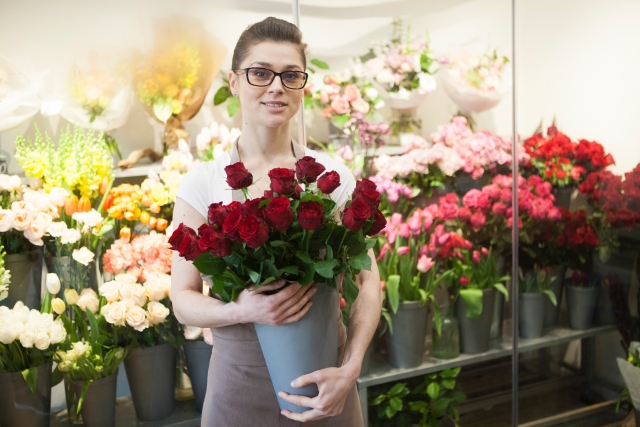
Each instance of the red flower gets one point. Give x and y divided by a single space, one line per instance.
282 181
278 213
213 241
367 192
464 281
308 170
252 207
216 214
268 194
185 240
329 182
310 215
231 224
356 215
253 231
379 223
477 220
238 176
464 214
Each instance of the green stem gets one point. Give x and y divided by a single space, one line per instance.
309 234
346 231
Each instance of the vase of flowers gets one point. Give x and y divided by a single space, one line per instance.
99 401
257 231
535 289
582 295
551 310
197 352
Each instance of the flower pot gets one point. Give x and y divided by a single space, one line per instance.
474 333
581 303
99 403
406 344
563 197
619 266
26 278
19 406
151 372
64 274
447 345
198 355
552 312
302 347
498 306
531 314
631 377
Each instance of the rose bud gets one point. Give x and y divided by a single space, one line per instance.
278 213
308 170
296 194
282 181
367 192
356 215
213 241
216 214
238 177
343 304
252 207
232 223
379 223
329 182
185 240
253 231
310 215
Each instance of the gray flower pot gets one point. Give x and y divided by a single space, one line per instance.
19 406
563 197
581 303
302 347
498 306
151 372
621 266
99 403
531 314
26 278
198 355
552 312
474 333
406 344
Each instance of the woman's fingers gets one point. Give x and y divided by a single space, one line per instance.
297 316
270 287
299 300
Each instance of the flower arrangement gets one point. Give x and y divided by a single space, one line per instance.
214 140
579 236
145 254
131 204
5 276
282 233
538 281
395 196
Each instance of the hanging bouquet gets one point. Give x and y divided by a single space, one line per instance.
402 67
214 140
288 233
144 254
5 276
561 161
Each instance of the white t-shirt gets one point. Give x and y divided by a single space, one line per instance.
207 184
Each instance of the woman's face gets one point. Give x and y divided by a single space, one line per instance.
273 105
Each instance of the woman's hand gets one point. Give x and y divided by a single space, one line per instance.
334 384
287 306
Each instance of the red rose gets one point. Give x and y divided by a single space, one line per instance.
216 215
238 176
379 223
253 231
356 215
329 182
185 240
282 181
278 213
213 241
231 224
464 214
310 215
296 194
268 194
367 192
308 170
252 207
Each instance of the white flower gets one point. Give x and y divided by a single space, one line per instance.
34 234
28 337
91 218
42 341
70 236
42 220
35 183
192 332
58 196
155 290
58 305
137 318
88 300
58 332
83 255
115 313
8 332
427 83
65 366
371 93
80 348
6 220
157 312
71 295
21 219
57 229
124 279
135 292
13 183
111 290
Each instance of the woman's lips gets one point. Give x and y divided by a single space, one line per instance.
275 106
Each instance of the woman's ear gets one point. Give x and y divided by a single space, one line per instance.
233 83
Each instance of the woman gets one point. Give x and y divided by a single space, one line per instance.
239 391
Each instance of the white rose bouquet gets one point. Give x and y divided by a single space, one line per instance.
5 276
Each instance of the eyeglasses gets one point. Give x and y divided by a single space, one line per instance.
264 77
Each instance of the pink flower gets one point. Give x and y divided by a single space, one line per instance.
505 196
383 285
424 250
493 191
485 251
425 264
360 106
396 219
385 249
476 257
499 209
483 202
351 93
478 220
405 231
448 212
415 222
340 105
464 281
464 214
554 214
470 199
403 250
510 222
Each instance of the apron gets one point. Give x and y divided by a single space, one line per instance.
239 389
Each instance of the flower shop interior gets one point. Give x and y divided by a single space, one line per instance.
500 307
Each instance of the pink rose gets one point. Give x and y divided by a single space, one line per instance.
554 214
543 189
505 196
499 209
340 105
360 106
470 199
351 93
448 212
493 191
464 214
478 220
326 113
324 97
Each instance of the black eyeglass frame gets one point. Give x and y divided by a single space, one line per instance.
246 73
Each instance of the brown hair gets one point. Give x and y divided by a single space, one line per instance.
270 29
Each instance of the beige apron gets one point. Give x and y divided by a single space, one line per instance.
239 389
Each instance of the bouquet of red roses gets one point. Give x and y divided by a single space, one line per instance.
292 232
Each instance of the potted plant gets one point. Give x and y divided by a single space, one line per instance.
582 294
535 287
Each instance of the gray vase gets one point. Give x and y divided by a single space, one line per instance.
498 306
552 312
621 266
99 403
581 303
26 278
302 347
19 406
406 344
474 333
563 197
197 355
531 314
151 372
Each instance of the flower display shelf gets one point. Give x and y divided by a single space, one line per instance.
382 372
138 171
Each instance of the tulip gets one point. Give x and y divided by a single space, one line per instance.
71 296
84 204
53 283
125 232
71 205
343 304
153 221
162 224
145 217
425 264
104 185
403 250
476 257
464 281
58 305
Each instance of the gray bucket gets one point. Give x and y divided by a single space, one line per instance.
531 314
618 265
552 312
302 347
197 355
474 333
581 303
99 404
18 405
151 372
26 279
498 306
366 360
406 344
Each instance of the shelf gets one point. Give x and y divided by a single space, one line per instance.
381 372
138 171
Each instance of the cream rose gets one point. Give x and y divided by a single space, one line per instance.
70 236
92 218
115 313
80 348
157 312
134 292
6 220
83 255
42 341
53 283
21 219
34 234
71 295
155 290
58 196
88 300
124 279
111 291
137 318
13 183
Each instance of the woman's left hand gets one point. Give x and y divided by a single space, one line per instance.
334 384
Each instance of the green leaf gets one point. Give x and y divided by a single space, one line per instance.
433 390
320 64
270 268
253 275
396 404
222 95
393 285
56 377
311 198
277 243
370 243
340 120
450 373
350 289
378 400
551 295
500 287
309 272
361 261
95 331
162 109
439 407
30 375
304 257
472 299
291 269
209 265
233 107
325 268
397 389
449 384
389 412
329 255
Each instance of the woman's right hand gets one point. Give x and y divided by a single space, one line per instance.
286 306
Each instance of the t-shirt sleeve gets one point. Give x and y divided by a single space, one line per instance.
194 189
347 181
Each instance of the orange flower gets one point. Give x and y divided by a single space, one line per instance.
71 205
125 232
162 224
84 205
